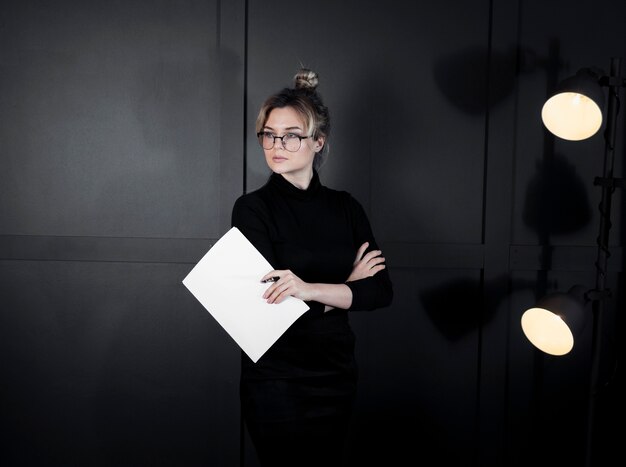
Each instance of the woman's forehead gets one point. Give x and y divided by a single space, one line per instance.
285 117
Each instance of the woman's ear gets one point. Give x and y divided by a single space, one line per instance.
319 143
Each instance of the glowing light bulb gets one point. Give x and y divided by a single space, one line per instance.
572 116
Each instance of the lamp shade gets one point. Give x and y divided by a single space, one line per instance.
555 321
574 112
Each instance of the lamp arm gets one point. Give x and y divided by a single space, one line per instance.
608 184
607 181
595 294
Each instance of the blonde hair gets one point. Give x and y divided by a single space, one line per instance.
306 101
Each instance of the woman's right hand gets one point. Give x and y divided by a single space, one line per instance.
366 265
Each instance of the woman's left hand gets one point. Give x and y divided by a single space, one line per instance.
287 285
366 264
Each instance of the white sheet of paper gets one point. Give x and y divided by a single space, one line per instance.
227 282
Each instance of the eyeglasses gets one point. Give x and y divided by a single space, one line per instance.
290 141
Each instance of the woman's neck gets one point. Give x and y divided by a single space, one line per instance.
300 180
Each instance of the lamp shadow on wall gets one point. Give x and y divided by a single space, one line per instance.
462 77
461 306
475 79
556 201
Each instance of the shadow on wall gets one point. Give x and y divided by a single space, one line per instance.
462 77
556 199
465 77
461 306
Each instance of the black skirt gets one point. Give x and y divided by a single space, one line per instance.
297 399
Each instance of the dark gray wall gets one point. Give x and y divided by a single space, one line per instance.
115 181
126 133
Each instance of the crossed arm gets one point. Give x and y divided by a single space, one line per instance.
331 295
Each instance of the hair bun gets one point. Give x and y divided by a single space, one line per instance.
306 79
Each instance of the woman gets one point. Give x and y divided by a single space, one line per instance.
297 399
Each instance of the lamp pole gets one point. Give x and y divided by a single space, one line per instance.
600 293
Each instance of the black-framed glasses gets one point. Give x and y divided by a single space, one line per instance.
290 141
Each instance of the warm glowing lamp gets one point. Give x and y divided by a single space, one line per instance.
554 323
574 112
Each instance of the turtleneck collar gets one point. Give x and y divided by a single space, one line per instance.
286 188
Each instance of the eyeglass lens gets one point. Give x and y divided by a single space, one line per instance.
291 142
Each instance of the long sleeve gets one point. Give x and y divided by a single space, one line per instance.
249 215
373 292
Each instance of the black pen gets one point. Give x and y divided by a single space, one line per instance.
271 279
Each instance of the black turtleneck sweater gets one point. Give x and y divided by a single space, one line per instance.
315 233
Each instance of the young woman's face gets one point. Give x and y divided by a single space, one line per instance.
293 165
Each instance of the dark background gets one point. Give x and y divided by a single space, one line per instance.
126 134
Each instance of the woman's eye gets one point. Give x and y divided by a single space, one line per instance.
289 136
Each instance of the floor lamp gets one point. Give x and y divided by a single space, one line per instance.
575 112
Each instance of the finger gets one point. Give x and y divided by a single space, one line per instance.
377 268
360 251
371 255
375 261
271 276
269 291
370 259
279 298
274 295
275 284
371 272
